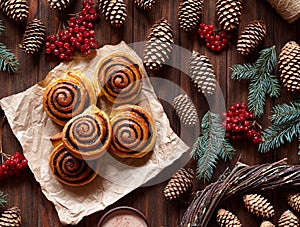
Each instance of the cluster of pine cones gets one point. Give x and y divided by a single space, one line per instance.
262 208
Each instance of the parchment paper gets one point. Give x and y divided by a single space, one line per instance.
33 128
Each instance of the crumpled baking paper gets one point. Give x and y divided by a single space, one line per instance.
33 128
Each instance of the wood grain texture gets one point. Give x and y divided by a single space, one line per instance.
25 192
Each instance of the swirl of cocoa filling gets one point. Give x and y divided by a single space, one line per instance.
120 79
133 132
69 169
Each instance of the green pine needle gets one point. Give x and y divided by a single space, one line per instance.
8 61
210 146
262 82
2 199
285 126
245 71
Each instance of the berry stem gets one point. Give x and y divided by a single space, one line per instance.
256 124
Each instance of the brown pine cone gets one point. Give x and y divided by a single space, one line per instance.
159 45
33 37
227 219
185 110
251 37
289 66
146 5
58 4
179 183
229 13
11 218
16 10
294 201
202 73
189 14
267 224
258 205
115 11
288 219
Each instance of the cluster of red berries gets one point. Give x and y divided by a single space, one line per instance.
215 41
13 165
239 124
79 34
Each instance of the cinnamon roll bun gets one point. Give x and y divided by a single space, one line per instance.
119 78
68 96
88 135
134 132
70 170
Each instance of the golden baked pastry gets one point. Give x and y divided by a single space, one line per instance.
70 170
119 78
68 96
88 135
134 132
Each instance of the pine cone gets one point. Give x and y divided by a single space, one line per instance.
11 217
229 13
103 5
58 4
15 9
145 4
202 73
186 110
258 205
267 224
251 37
179 183
33 37
227 219
189 14
289 66
159 45
288 219
115 12
294 201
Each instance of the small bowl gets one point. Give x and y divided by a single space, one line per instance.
123 214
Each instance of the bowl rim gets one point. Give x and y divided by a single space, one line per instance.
132 209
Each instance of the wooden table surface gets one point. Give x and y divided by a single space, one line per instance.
25 192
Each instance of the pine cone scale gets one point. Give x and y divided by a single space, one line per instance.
289 66
11 217
159 45
16 10
33 37
251 37
202 74
179 183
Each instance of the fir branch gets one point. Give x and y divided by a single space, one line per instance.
262 82
245 71
210 146
257 97
285 126
2 199
8 61
273 86
276 135
285 113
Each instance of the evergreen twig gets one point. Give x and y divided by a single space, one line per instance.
2 199
8 61
210 146
262 82
284 128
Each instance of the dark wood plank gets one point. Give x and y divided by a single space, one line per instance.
26 193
